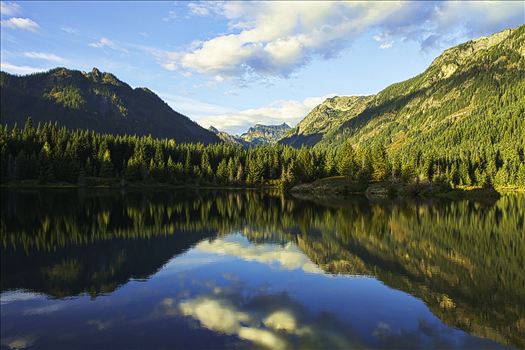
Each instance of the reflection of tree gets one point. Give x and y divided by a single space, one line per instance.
465 260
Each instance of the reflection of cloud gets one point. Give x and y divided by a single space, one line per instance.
217 315
9 297
288 257
101 325
44 310
271 321
262 337
19 342
429 334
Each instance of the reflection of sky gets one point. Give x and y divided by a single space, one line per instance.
288 257
230 292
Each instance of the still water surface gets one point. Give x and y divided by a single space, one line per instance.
247 270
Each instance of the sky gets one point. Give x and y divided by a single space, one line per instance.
234 64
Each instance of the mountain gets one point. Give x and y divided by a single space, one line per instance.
95 101
228 138
326 117
260 134
470 99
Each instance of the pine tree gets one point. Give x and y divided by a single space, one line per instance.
106 167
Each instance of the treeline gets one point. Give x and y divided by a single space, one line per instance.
50 153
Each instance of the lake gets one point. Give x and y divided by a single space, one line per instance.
103 269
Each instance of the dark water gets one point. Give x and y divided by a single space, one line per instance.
109 270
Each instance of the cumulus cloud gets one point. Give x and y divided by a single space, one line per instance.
20 23
9 8
288 257
44 56
277 38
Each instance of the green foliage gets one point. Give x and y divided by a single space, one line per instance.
470 252
94 101
51 153
67 96
461 121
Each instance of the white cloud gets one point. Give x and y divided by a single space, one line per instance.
194 108
277 112
20 23
107 43
384 40
69 30
277 38
198 9
44 56
103 42
9 8
22 70
171 16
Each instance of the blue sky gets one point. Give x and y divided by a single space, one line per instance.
233 64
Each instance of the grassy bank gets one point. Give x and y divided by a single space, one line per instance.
340 186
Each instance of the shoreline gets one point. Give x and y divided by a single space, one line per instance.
323 188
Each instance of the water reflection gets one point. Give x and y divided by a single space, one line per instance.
245 269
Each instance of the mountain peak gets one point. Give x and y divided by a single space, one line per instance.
465 88
96 101
263 134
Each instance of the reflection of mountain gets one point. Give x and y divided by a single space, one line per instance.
97 268
463 259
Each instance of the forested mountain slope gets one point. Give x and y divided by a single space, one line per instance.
325 118
467 107
95 101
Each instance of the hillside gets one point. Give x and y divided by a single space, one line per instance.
468 102
325 118
95 101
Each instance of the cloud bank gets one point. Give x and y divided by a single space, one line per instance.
277 38
238 121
